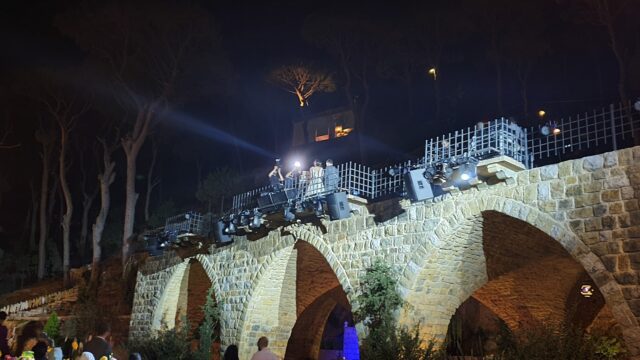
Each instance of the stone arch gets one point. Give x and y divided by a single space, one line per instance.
461 222
320 244
173 302
271 309
321 305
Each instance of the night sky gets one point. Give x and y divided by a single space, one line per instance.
575 72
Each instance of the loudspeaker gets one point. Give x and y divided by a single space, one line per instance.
218 233
338 206
278 198
264 200
417 186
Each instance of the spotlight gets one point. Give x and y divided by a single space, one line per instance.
297 164
231 228
586 290
465 177
288 215
550 128
256 222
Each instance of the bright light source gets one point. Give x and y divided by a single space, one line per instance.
541 113
586 290
297 164
433 72
556 131
465 177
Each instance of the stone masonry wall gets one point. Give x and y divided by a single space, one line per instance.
589 206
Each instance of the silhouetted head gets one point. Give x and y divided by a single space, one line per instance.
263 342
102 329
231 353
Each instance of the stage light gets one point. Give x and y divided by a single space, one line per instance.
256 222
231 228
545 130
542 113
288 215
297 164
556 131
465 177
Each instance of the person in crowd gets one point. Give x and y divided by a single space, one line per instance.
4 335
98 346
28 338
263 350
292 177
231 353
316 185
331 177
135 356
275 177
87 356
40 350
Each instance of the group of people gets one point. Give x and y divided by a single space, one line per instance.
31 342
315 182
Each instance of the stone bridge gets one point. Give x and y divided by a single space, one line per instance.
520 248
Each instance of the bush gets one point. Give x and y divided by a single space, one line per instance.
563 342
168 344
52 328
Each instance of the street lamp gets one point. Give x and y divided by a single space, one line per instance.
541 114
433 73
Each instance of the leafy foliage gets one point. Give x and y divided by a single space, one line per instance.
52 327
379 297
208 329
168 344
161 213
564 342
378 301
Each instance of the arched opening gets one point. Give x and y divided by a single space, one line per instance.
183 300
532 282
322 308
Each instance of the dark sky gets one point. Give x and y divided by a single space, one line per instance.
576 74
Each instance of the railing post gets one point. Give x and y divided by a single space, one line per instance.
612 114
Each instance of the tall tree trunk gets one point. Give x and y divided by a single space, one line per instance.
68 200
106 179
44 196
151 182
131 145
87 202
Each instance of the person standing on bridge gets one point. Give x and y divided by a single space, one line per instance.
263 351
331 177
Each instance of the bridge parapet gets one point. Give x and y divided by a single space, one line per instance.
443 248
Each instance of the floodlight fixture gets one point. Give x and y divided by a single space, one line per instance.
256 221
288 215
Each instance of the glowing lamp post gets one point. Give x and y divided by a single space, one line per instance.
433 73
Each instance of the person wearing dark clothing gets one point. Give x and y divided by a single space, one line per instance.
275 178
231 353
98 345
4 334
40 350
331 177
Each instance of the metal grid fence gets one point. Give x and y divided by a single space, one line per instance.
187 223
485 140
597 131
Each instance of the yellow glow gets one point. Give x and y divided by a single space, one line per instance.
432 72
541 113
338 128
322 137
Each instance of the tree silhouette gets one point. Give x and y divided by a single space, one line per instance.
147 56
302 81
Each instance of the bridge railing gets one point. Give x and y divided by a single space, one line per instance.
601 130
485 140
